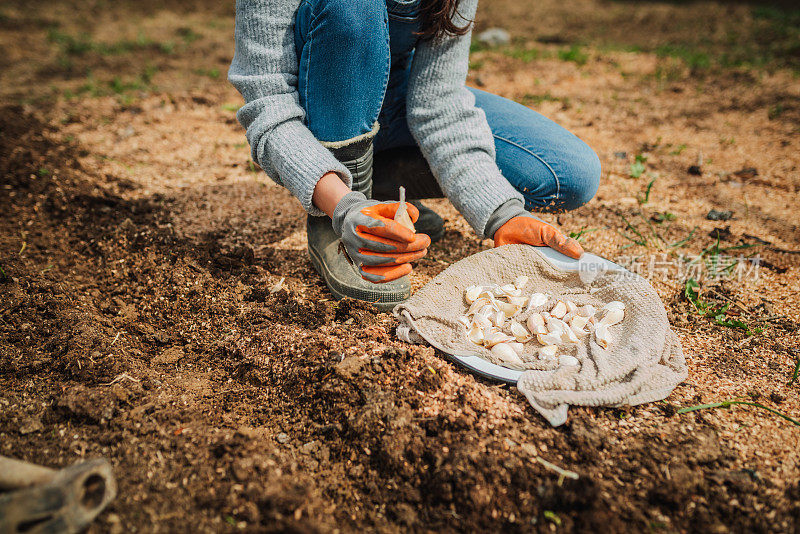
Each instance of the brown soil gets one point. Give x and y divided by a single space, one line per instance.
138 247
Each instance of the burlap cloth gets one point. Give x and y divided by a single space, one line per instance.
644 363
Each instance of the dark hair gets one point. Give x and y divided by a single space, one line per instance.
437 19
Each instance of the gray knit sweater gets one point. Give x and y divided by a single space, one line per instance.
451 132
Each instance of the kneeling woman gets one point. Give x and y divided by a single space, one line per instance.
346 100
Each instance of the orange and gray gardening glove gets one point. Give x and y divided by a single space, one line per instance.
381 248
511 224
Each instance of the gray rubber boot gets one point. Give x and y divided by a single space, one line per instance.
330 259
429 222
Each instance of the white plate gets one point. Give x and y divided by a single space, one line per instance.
589 265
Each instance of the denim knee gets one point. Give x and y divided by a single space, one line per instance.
579 184
354 23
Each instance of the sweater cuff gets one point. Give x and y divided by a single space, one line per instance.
477 198
503 214
300 161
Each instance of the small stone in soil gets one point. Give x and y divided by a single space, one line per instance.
30 425
695 170
747 172
723 234
283 438
719 215
494 37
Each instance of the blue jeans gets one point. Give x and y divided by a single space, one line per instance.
354 57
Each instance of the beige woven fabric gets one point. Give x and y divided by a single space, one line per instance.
644 362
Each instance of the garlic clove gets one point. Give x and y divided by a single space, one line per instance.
603 335
565 360
578 322
549 339
521 282
554 325
578 326
517 346
559 310
519 332
495 338
508 308
486 311
538 299
518 301
571 306
507 290
401 216
498 318
548 352
472 293
536 324
464 320
586 311
612 317
614 305
476 305
569 335
506 354
476 335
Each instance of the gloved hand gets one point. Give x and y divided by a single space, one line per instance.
379 246
527 229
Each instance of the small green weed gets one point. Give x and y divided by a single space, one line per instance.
230 107
82 44
645 198
685 240
534 100
574 54
775 111
477 46
663 216
669 70
729 403
715 312
713 256
553 517
796 372
211 73
188 35
637 168
524 54
677 150
580 234
694 59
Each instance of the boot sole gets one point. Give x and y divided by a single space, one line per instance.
339 291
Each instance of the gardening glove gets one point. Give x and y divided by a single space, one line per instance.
381 248
517 226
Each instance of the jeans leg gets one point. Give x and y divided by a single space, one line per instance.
343 65
553 169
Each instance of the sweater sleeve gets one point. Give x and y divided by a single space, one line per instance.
264 70
452 133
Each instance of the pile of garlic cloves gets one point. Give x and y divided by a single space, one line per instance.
491 321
